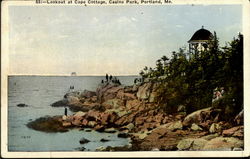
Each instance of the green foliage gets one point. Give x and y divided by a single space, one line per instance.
191 79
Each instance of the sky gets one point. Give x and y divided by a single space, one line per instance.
118 40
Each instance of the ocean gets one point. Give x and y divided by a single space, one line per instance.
39 92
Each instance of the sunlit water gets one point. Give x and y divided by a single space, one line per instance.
38 92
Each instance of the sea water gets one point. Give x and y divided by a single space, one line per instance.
39 92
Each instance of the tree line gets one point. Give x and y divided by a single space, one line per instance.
190 78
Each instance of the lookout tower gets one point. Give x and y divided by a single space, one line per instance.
199 41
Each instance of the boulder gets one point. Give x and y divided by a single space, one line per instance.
149 126
73 99
88 130
195 127
113 117
119 112
99 128
153 93
121 121
93 99
104 140
110 130
97 107
158 118
139 120
77 122
191 144
223 143
160 131
206 124
80 148
60 103
135 88
125 96
123 135
185 144
128 89
92 124
101 148
133 104
165 120
77 106
93 115
152 97
235 131
87 94
238 149
84 122
179 117
22 105
144 91
196 117
149 119
48 124
215 128
106 92
84 141
72 94
155 149
113 103
177 125
79 114
104 118
142 134
198 144
66 124
130 126
64 117
211 136
181 108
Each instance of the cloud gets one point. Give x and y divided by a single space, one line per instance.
179 26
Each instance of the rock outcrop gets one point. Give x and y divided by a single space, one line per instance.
132 112
22 105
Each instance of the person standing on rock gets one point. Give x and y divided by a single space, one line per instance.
135 80
107 77
65 111
118 81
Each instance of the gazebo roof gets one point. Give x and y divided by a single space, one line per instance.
201 35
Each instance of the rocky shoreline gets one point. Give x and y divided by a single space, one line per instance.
133 112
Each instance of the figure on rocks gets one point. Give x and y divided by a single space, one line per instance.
65 111
71 88
135 80
107 77
118 82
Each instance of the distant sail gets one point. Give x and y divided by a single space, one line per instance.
73 74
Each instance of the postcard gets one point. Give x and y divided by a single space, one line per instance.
125 78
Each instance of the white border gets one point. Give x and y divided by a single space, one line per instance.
4 95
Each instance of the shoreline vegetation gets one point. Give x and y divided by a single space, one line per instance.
187 102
